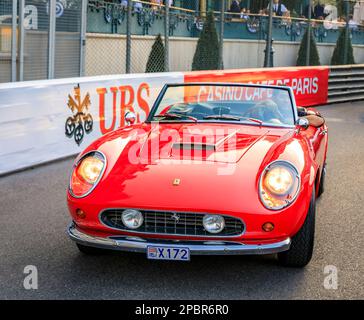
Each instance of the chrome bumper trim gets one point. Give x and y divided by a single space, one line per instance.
137 244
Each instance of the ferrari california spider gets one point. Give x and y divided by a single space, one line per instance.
216 169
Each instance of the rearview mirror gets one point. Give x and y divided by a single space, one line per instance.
302 123
130 118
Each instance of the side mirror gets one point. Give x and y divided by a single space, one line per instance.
130 118
302 124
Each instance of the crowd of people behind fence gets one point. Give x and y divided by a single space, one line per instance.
318 12
240 9
138 6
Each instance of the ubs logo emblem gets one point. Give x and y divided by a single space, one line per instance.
81 121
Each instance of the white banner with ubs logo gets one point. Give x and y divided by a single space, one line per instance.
46 120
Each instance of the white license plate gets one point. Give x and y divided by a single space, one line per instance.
168 253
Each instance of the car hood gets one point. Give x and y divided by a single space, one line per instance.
142 177
205 142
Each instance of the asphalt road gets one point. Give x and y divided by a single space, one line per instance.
33 219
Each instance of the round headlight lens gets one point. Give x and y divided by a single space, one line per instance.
132 219
213 223
86 174
279 185
90 169
279 180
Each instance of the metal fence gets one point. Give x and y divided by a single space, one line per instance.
6 41
131 37
41 39
45 39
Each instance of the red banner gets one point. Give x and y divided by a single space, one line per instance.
310 84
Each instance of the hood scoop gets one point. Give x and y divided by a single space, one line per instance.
208 149
194 146
204 146
224 146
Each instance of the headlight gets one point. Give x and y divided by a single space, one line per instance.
86 174
279 185
213 223
132 219
279 181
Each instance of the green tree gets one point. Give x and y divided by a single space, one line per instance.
207 51
339 52
302 53
156 57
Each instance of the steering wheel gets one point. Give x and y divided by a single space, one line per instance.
266 111
221 110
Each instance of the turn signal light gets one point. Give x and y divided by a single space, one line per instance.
80 214
268 227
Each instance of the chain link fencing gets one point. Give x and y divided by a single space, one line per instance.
106 38
40 39
35 41
67 39
156 37
6 10
70 38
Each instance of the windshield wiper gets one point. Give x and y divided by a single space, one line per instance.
255 120
222 117
175 116
233 118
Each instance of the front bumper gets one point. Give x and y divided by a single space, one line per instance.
137 244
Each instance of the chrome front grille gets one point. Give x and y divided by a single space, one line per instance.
173 223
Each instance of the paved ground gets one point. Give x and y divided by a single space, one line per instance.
33 218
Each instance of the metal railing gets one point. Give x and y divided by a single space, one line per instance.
188 23
45 39
146 21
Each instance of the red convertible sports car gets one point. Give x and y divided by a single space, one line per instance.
216 169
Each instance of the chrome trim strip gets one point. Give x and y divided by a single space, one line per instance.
98 179
135 244
216 235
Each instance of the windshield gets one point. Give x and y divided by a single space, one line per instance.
226 103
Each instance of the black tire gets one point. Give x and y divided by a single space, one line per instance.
321 188
300 252
90 250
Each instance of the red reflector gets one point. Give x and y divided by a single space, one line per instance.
268 227
80 214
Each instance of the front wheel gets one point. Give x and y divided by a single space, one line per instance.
300 252
321 188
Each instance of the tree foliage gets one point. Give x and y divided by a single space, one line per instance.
207 51
339 52
302 53
156 57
